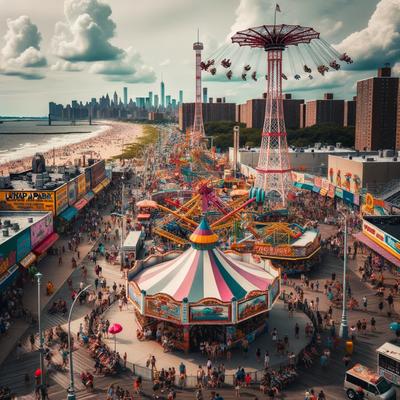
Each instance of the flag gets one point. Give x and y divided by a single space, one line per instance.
277 8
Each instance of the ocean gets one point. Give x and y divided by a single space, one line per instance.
19 139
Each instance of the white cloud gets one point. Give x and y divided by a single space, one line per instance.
86 33
129 69
379 41
396 69
165 62
21 52
66 66
329 27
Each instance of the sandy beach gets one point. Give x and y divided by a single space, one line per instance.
107 143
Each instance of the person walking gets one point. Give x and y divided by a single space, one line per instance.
266 360
365 303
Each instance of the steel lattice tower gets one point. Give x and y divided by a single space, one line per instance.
273 170
197 132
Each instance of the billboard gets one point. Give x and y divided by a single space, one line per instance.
61 199
72 192
8 255
98 173
253 306
217 313
87 179
41 230
26 200
81 182
23 244
273 291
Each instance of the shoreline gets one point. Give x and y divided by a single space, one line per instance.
106 143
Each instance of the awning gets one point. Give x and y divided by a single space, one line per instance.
80 204
316 189
69 213
377 249
143 216
88 196
28 260
105 182
46 244
98 188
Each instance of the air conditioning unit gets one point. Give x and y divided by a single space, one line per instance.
15 227
388 153
5 233
370 159
30 219
7 223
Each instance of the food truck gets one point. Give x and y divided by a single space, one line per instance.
131 247
389 362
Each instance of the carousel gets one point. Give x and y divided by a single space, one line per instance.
203 294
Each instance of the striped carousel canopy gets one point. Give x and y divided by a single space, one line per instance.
202 272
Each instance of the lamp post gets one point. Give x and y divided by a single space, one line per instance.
41 339
71 389
344 328
122 220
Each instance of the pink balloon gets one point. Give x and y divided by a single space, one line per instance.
115 328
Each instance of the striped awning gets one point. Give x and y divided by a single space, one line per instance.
197 274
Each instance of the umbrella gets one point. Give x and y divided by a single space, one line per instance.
147 204
114 329
38 372
394 326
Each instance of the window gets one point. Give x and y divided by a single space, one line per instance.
372 389
357 381
389 364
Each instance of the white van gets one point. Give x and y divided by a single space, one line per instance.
375 387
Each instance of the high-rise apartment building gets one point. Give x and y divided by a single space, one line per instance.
115 99
252 112
180 96
151 99
167 100
326 111
156 101
162 93
378 112
125 96
350 112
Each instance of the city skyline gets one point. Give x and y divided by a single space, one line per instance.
51 56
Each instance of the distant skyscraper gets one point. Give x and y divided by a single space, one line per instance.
173 103
180 96
167 101
151 99
162 94
156 101
378 112
205 95
125 96
115 99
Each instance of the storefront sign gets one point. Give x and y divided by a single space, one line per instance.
273 291
8 256
41 230
81 182
252 307
61 199
23 244
339 192
274 251
27 200
392 243
212 313
72 192
163 307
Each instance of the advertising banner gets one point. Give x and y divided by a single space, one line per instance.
8 255
348 196
163 307
273 291
339 192
277 251
98 173
27 200
393 243
87 179
253 306
72 192
135 295
217 313
61 199
81 181
41 230
23 244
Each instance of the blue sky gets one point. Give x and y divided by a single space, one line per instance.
59 50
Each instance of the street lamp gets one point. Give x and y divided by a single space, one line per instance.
122 220
71 389
41 339
344 328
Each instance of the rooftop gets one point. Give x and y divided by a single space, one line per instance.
374 158
317 149
24 219
389 224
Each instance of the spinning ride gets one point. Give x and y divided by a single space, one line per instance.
204 286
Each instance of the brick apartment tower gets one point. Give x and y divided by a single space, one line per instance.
378 112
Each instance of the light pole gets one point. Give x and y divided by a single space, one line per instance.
344 328
122 220
41 340
71 389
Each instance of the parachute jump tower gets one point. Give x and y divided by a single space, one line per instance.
273 170
197 133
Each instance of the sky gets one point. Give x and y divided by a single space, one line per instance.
60 50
